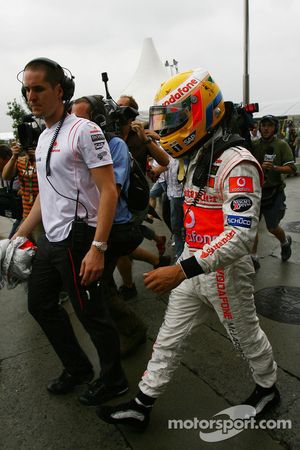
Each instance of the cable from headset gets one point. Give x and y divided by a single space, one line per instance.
57 130
70 198
48 170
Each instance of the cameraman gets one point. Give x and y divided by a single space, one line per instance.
23 165
125 235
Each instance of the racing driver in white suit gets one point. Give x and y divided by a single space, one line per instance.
222 191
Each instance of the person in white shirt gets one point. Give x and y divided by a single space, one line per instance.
76 203
254 132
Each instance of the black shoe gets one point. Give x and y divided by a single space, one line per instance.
286 249
132 414
66 382
128 292
99 393
164 260
262 398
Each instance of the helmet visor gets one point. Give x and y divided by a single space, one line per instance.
167 119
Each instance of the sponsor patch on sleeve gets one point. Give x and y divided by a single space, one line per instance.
101 155
240 184
99 145
97 137
239 221
241 204
98 140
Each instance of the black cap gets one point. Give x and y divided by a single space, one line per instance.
269 118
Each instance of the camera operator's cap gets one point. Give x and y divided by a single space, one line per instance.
269 118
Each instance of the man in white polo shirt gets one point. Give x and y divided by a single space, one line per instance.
76 204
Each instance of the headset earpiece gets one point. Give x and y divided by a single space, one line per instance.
98 113
23 90
66 82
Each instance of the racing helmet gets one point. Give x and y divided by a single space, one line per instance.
187 107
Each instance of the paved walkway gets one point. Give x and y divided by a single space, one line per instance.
211 378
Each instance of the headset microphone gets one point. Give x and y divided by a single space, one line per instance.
105 80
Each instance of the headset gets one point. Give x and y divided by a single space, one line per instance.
68 86
66 81
98 111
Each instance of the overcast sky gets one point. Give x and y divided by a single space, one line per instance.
93 36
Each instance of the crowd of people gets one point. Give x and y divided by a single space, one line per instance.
215 188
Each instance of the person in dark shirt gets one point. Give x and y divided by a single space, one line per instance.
276 159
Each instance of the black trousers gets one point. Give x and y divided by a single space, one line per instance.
56 267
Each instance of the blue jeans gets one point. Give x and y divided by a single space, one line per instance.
158 189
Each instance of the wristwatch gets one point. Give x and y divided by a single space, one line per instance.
100 246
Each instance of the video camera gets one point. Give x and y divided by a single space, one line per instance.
239 119
29 131
116 115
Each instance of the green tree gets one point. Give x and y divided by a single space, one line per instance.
16 112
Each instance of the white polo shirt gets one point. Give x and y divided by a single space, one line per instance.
80 146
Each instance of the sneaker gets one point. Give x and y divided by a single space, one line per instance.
286 249
261 398
66 382
255 262
163 261
132 414
99 392
128 292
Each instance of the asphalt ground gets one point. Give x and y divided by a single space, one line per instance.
212 377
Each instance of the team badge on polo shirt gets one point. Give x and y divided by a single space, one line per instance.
240 184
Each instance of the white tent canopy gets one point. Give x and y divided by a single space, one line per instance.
6 136
279 108
148 77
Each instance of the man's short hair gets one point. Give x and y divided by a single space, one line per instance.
131 101
53 74
96 108
82 100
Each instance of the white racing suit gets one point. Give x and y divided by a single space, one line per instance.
220 231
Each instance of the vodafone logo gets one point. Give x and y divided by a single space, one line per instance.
181 91
190 220
240 184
